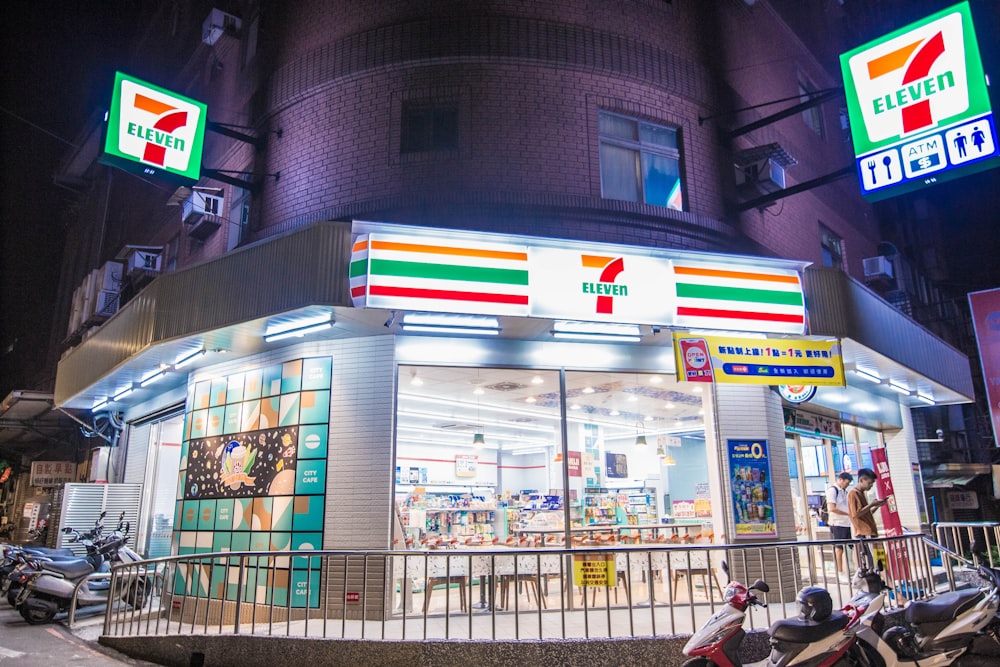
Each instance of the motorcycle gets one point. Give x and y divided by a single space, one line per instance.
820 637
51 590
19 561
960 628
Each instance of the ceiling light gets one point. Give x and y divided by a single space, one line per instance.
185 359
100 405
588 390
298 328
481 325
123 393
640 440
479 440
669 406
522 452
575 406
604 331
530 399
150 378
537 380
904 390
926 399
668 461
478 391
867 375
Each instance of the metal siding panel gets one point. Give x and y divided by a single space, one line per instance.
840 306
302 268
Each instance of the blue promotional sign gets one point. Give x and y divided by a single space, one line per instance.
750 480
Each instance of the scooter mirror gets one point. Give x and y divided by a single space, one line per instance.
760 585
67 530
725 567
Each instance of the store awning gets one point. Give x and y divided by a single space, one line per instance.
948 481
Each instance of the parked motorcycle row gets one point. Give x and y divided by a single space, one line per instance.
961 628
41 582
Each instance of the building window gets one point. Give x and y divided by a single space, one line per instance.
171 254
428 128
640 162
239 218
813 116
833 248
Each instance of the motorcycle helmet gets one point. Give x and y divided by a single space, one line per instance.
815 604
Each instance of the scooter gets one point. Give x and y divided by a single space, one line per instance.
51 591
816 642
20 561
960 628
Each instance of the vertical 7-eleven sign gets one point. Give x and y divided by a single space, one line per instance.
918 104
154 131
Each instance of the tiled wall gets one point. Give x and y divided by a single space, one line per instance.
253 476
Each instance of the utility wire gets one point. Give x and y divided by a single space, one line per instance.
37 127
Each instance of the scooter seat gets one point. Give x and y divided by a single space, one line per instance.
45 551
942 608
799 631
71 569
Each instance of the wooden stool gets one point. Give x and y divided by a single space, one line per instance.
530 582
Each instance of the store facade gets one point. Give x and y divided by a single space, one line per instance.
311 415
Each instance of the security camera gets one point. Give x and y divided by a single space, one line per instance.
392 318
940 433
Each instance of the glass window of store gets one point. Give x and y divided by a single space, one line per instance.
484 455
640 161
159 479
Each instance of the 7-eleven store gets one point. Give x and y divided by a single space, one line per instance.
380 386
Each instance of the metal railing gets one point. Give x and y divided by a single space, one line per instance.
490 594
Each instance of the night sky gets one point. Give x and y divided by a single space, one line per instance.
59 59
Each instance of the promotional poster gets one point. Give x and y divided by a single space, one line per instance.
750 471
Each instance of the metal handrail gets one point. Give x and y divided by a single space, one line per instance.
233 592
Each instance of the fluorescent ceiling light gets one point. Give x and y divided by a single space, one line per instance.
150 378
604 331
186 359
426 328
926 399
298 328
522 452
452 320
867 375
905 391
124 392
100 405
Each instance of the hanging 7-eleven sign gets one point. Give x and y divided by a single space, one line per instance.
153 131
918 103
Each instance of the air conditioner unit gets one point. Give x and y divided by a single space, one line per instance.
142 262
202 202
769 176
877 268
106 303
217 24
109 276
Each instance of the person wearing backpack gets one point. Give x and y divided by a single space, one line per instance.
839 518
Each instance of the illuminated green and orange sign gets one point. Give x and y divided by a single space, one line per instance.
153 131
918 104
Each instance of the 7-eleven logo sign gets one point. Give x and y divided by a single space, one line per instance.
155 127
911 82
605 287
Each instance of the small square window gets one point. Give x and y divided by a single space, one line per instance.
426 128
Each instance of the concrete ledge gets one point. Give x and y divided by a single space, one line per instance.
244 651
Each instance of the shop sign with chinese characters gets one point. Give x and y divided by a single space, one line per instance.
52 473
758 360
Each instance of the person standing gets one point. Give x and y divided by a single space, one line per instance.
862 511
840 516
